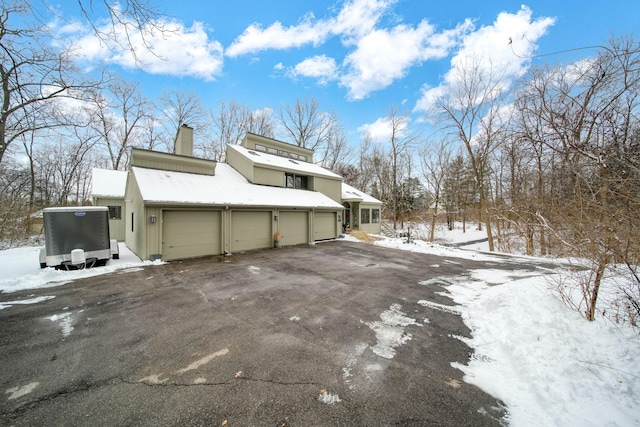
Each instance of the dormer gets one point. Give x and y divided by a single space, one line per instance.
265 161
263 144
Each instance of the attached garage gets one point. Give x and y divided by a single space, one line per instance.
251 230
179 206
294 227
190 234
324 224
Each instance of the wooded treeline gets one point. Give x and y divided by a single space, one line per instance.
548 165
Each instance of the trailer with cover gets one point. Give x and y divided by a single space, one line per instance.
77 237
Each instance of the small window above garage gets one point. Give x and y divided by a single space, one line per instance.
300 182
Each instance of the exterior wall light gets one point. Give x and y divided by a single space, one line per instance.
152 219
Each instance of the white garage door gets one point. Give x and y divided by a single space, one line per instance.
251 230
190 234
294 227
324 224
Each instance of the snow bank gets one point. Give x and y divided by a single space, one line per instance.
549 365
21 270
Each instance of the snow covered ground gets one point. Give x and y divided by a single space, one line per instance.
20 270
549 365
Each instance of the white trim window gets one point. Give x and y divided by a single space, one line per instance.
375 216
365 216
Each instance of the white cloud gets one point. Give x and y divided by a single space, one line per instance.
380 130
355 19
505 46
320 67
383 56
377 56
177 50
276 36
358 18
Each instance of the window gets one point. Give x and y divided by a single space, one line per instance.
115 212
272 150
261 148
296 181
289 178
375 216
301 157
364 216
301 182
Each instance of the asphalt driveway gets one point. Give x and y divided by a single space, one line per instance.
323 335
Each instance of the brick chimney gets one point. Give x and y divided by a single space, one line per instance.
184 141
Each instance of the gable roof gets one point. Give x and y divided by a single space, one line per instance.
282 163
226 188
351 194
108 183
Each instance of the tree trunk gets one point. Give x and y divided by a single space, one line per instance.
593 294
529 239
433 227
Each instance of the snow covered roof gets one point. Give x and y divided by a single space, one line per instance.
351 194
226 187
283 163
109 183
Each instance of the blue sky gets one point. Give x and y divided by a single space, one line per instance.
356 57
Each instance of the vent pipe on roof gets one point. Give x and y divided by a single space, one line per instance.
184 141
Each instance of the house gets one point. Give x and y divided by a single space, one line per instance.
267 192
361 211
108 190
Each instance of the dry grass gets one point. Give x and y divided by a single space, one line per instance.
361 235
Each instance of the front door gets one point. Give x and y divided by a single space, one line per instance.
346 224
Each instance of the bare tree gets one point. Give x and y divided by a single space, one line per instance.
64 168
32 77
133 18
181 108
361 174
381 167
261 122
120 120
306 125
151 137
435 159
585 117
15 183
232 122
337 152
401 138
320 131
470 111
459 191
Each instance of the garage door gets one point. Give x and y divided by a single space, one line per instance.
294 228
251 230
190 234
324 224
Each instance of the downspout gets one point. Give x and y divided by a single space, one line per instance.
311 231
